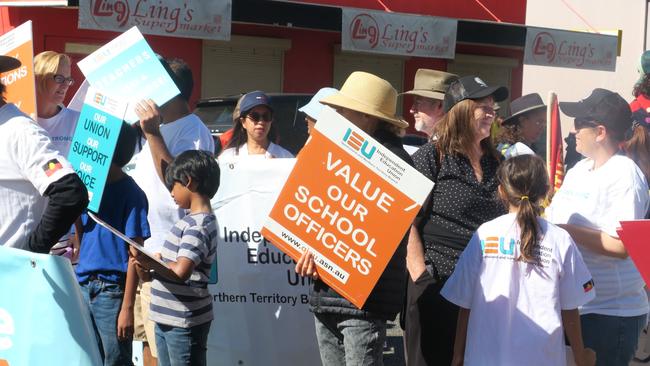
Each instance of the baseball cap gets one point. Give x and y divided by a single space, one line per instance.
8 63
472 87
604 107
253 99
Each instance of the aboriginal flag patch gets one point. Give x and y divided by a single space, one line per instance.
51 167
588 286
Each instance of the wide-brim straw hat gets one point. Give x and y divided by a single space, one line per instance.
369 94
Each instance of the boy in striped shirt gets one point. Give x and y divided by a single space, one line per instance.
181 305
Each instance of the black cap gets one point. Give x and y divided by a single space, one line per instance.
603 107
472 87
524 104
8 63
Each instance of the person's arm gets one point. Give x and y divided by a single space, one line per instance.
125 317
571 323
150 120
67 199
461 337
415 254
596 241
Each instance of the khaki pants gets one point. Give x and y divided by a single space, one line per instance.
143 327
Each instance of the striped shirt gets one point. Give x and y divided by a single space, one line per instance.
186 304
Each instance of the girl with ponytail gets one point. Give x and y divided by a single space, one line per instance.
520 281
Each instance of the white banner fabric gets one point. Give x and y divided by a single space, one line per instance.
578 50
206 19
261 313
398 34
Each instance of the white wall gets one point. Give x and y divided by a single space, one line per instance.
604 15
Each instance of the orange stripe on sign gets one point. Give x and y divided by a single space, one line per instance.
355 145
491 251
492 238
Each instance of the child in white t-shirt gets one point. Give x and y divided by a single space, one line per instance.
520 281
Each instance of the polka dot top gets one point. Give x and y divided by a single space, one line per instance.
457 206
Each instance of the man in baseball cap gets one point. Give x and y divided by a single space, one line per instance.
429 90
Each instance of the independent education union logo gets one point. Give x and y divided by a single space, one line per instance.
364 31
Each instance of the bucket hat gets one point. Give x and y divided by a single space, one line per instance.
369 94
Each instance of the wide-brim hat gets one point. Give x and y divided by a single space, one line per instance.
522 105
8 63
472 87
314 108
431 83
369 94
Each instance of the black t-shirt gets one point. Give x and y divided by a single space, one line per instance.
457 206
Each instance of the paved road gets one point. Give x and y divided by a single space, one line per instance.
394 349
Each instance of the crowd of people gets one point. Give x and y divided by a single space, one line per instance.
489 273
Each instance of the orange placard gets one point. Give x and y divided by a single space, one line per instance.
20 82
350 201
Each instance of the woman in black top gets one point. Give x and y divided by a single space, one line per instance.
462 162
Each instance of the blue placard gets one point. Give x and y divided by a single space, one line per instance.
127 67
43 318
94 140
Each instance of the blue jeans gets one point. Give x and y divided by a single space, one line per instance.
104 300
343 340
614 338
182 346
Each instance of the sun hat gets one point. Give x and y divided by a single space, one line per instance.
369 94
314 107
472 87
431 83
603 107
8 63
524 104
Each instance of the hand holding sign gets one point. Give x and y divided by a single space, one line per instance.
149 115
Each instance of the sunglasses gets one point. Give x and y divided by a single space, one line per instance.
60 79
581 123
256 117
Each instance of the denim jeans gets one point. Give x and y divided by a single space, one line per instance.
614 338
104 300
182 346
343 340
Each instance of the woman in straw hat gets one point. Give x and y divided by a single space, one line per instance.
519 132
463 164
346 334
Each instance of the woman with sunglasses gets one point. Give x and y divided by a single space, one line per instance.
597 193
52 71
519 132
253 133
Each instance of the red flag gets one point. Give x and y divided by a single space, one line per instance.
554 145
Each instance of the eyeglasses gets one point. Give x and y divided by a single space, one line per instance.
418 103
256 117
60 79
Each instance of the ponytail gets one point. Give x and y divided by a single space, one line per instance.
527 221
524 183
637 148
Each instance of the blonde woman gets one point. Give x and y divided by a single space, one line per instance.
52 71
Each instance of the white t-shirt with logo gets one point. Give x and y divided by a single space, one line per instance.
61 128
187 133
29 163
599 199
273 151
515 316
